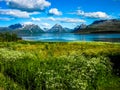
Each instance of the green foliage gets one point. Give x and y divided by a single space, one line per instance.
57 66
73 72
7 84
8 37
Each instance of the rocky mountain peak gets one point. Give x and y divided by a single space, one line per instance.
56 29
82 26
15 26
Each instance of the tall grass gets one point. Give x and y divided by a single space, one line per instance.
73 72
57 66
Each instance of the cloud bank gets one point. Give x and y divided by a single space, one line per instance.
94 15
6 18
35 19
100 15
28 5
65 20
14 13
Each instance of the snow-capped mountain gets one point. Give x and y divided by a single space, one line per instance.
56 29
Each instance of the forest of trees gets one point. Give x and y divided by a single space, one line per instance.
8 37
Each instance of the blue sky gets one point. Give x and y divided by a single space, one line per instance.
46 13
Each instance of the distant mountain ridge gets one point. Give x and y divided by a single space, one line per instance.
21 29
5 29
98 26
29 29
101 26
15 26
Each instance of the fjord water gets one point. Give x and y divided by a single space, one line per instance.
69 37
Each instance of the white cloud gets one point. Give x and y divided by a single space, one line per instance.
28 5
14 12
54 11
17 13
35 19
66 20
71 20
99 14
5 18
34 13
45 25
50 18
27 23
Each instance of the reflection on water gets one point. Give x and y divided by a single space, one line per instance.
67 37
108 39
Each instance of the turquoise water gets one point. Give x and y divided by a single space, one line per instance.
69 37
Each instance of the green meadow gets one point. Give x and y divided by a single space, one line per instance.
27 65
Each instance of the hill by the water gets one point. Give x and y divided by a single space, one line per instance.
101 26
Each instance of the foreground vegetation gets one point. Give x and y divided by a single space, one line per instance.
59 66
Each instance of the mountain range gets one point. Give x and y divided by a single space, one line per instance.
99 26
23 29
